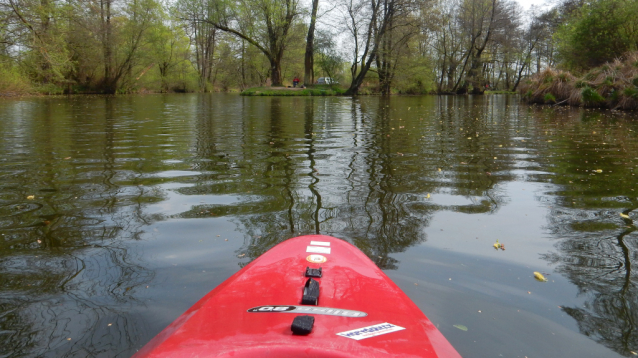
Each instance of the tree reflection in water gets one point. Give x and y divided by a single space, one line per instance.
67 276
596 244
347 168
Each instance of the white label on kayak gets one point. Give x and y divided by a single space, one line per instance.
318 249
319 243
370 331
327 311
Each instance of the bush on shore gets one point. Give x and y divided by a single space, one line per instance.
613 85
13 83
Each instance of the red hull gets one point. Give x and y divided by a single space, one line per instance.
368 309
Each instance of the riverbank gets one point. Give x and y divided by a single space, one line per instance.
613 85
315 90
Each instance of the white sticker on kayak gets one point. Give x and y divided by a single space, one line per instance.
370 331
318 250
319 243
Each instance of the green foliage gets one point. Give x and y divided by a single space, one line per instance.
49 89
598 32
631 92
549 98
12 82
591 97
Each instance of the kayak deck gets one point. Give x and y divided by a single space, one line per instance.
359 312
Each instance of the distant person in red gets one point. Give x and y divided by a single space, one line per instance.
295 81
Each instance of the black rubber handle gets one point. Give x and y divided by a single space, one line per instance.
313 272
310 293
302 325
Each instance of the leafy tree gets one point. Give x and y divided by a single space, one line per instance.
203 36
265 24
598 32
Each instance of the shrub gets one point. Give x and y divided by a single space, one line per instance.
631 92
13 82
591 97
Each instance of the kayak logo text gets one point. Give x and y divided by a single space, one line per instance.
370 331
308 310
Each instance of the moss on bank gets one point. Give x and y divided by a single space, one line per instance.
316 90
613 85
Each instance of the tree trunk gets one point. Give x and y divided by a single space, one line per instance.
309 74
109 85
275 72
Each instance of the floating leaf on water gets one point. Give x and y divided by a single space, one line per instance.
624 216
598 170
427 196
30 197
461 327
539 276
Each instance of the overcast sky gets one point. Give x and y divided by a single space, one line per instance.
527 3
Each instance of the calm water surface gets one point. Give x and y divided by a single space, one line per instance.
117 214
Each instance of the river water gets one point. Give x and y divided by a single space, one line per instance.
119 213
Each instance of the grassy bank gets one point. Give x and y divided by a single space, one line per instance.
316 90
499 92
613 85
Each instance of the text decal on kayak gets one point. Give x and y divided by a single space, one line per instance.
327 311
370 331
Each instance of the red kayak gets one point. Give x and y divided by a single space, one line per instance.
310 296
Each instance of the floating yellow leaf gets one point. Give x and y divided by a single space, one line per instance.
427 196
624 216
598 170
30 197
539 276
461 327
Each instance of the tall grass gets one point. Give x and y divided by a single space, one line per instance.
613 85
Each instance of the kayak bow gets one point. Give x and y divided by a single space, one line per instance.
310 296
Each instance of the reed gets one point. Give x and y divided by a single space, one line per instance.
613 85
